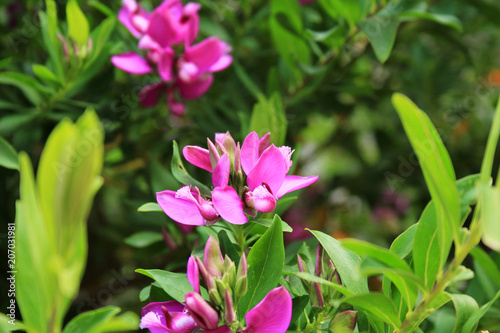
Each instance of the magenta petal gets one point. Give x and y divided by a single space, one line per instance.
198 156
131 62
159 29
178 209
222 63
165 64
272 314
205 54
294 183
149 94
250 152
229 205
125 18
270 169
220 177
222 329
195 89
171 306
193 274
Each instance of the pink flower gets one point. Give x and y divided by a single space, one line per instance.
187 206
171 23
267 181
134 18
190 72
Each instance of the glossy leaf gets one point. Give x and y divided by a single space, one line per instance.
346 262
78 26
8 156
268 222
265 264
175 284
377 305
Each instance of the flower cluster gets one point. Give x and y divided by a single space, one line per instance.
246 180
166 35
225 285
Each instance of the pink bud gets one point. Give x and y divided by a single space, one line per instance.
229 313
201 311
261 199
212 257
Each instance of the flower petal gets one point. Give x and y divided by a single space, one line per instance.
221 64
159 29
131 62
125 18
229 205
195 89
250 152
270 169
171 306
272 314
294 183
178 209
205 54
149 94
220 177
222 329
198 156
165 64
193 274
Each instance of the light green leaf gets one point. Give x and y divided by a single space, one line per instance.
381 30
444 217
487 264
489 216
290 46
48 24
175 284
268 115
268 222
180 173
265 264
348 10
313 278
385 256
7 325
143 239
474 318
102 320
465 306
346 262
150 207
44 73
78 26
489 155
8 156
378 305
403 244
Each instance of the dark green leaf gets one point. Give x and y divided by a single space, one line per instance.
268 115
143 239
268 222
381 30
378 305
265 264
8 156
175 284
227 247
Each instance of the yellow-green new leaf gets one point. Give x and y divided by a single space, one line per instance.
78 26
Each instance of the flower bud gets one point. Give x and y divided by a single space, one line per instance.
212 257
213 153
204 273
229 271
241 286
261 199
344 321
201 311
229 313
214 294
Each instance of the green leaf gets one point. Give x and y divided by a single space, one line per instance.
48 24
489 155
378 305
150 207
227 247
289 44
44 73
16 325
180 173
246 80
443 19
439 223
175 285
403 244
8 156
489 213
28 85
346 262
10 123
102 8
78 26
102 320
465 306
268 115
487 264
143 239
34 250
383 255
381 30
268 222
313 278
474 318
265 264
348 10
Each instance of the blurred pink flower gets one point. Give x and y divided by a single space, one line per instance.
188 72
134 18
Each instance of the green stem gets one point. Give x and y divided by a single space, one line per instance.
489 155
